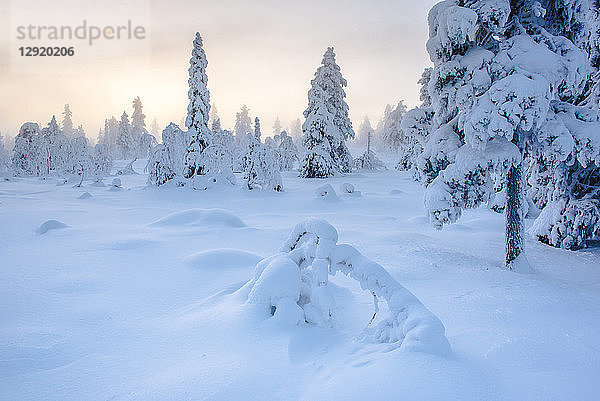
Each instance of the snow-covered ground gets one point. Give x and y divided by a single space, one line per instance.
135 299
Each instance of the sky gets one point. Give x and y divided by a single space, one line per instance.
262 53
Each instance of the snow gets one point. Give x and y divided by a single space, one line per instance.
49 225
117 308
199 217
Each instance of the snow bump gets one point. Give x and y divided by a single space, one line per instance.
200 217
49 225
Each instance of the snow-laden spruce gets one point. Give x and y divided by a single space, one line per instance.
198 110
500 68
126 144
292 287
318 127
181 155
327 125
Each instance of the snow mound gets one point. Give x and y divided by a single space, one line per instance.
98 183
116 182
200 217
222 259
85 195
292 286
347 188
50 225
326 191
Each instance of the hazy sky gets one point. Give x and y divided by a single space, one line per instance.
262 53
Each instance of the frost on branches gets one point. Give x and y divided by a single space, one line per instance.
198 110
501 69
292 287
327 125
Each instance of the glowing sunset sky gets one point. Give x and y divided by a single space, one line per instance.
262 53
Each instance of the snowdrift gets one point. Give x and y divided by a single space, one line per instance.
200 217
291 286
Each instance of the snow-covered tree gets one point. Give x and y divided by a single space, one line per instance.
329 83
507 80
243 122
82 162
4 155
198 110
109 136
318 129
243 126
287 153
261 168
138 123
218 164
296 130
125 144
155 129
378 140
79 131
167 160
56 148
222 137
364 131
415 126
277 128
103 161
368 160
25 153
213 114
160 166
67 123
391 133
145 144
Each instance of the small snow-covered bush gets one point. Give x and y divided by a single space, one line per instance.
326 191
292 286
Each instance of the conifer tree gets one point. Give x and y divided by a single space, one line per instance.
508 79
327 118
67 122
198 109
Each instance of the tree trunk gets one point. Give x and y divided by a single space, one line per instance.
514 213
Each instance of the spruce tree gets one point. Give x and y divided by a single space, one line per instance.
318 128
138 123
67 122
198 109
507 80
327 87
